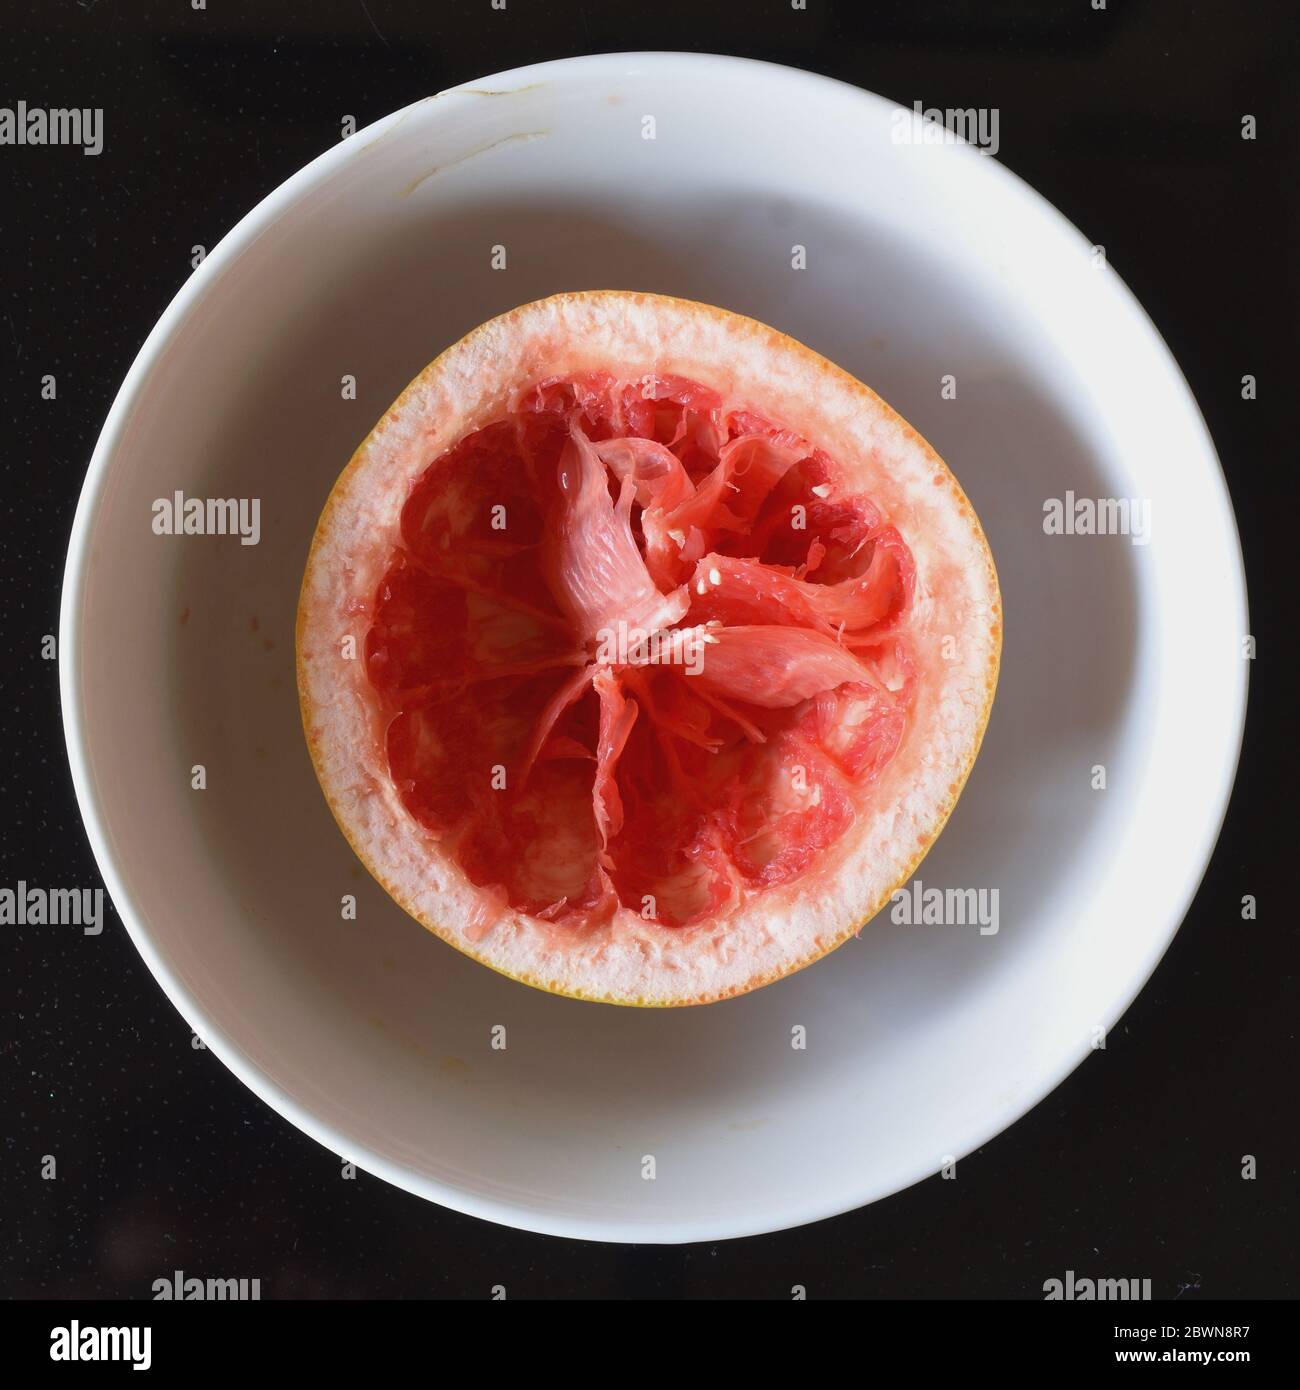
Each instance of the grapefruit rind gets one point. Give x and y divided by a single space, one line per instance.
785 928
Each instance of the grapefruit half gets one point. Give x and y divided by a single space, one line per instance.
642 652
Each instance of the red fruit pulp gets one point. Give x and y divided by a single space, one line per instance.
637 649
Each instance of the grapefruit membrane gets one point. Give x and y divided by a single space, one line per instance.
642 652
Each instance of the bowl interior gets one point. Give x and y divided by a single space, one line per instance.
922 262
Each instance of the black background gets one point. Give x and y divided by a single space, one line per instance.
1129 121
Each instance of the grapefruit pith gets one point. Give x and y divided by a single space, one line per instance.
642 652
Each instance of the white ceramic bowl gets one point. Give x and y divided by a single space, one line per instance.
922 261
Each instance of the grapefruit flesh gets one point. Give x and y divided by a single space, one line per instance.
630 657
651 688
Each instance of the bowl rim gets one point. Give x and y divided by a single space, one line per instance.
808 1208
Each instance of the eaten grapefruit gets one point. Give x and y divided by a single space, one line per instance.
642 652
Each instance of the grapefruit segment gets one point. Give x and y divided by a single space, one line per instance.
738 591
655 703
595 571
776 666
617 716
